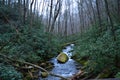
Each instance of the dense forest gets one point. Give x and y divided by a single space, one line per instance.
34 31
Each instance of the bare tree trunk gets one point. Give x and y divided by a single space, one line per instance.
59 23
98 14
27 9
90 1
24 12
47 20
79 12
34 10
88 13
81 15
71 21
42 12
37 13
118 1
3 2
50 17
31 14
56 12
66 17
112 30
9 2
20 11
110 19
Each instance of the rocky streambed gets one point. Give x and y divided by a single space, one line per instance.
66 69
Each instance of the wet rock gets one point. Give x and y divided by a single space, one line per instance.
43 65
44 74
62 57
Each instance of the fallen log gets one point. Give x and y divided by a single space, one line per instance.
65 44
34 65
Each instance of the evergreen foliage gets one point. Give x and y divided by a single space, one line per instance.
22 39
23 42
100 49
7 72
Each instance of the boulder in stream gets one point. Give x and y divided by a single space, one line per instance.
44 74
62 57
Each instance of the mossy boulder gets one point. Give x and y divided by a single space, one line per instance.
44 74
62 57
83 62
105 74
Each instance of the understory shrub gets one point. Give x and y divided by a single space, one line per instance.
100 48
7 72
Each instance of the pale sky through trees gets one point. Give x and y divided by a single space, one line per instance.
44 4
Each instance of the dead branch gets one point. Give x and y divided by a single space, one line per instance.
65 44
36 66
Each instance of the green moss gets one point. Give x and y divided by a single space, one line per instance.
44 74
62 57
83 62
105 74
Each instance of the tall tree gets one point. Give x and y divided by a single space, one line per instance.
98 13
9 2
118 1
50 17
24 11
93 11
81 14
3 2
31 14
110 18
56 12
66 21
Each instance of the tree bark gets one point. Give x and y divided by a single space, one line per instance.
24 12
3 2
90 1
118 1
56 12
112 30
50 16
31 14
98 14
110 19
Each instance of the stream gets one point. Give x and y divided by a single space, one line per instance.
66 69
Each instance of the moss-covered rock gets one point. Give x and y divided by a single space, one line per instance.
62 57
83 62
44 74
105 74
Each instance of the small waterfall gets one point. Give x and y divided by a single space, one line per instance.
68 50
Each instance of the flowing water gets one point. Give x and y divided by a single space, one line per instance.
66 69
